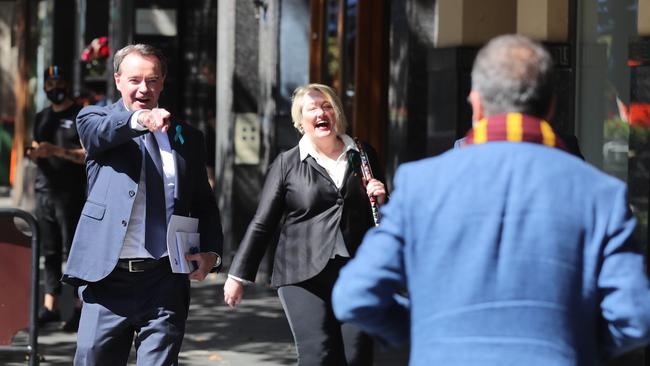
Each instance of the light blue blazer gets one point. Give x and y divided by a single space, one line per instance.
113 165
512 254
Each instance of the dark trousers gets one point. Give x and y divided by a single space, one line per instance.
147 309
57 214
320 338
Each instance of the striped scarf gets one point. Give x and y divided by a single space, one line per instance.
513 127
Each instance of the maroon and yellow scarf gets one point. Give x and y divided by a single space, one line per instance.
514 127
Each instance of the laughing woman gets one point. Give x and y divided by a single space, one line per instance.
315 194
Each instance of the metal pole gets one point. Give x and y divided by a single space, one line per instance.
120 33
114 39
33 306
79 35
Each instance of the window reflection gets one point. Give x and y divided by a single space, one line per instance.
350 31
614 96
340 48
332 72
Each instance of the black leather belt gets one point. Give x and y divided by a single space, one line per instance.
141 264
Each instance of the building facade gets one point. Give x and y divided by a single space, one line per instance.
402 68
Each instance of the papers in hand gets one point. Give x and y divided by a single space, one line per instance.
182 236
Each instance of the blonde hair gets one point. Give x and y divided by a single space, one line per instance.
341 124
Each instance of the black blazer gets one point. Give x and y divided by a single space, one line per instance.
302 198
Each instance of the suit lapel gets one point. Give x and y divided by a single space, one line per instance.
353 171
312 162
179 154
354 163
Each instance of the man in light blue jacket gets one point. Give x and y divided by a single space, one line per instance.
513 251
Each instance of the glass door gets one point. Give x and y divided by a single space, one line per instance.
349 52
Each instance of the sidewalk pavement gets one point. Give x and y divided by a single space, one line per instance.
255 333
5 201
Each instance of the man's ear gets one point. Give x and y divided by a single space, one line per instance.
116 76
478 112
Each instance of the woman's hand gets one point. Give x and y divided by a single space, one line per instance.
233 291
377 189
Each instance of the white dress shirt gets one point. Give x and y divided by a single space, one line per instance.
336 170
133 246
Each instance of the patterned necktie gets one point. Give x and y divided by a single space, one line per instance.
155 240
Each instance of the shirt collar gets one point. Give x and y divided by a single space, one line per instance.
307 148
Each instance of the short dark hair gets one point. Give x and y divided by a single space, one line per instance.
512 73
142 49
55 72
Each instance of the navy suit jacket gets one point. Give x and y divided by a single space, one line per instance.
512 254
113 165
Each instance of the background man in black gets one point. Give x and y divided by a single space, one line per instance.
60 186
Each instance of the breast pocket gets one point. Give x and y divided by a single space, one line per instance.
94 210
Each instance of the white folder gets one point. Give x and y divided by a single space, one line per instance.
182 237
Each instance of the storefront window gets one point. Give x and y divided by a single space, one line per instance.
332 50
340 43
614 96
348 48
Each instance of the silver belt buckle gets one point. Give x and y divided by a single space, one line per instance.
131 265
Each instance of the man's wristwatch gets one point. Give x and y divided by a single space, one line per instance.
217 264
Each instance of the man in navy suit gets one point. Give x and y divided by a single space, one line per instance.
143 167
513 251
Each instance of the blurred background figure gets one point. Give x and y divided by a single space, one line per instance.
60 186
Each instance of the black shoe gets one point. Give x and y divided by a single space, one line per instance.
46 315
72 324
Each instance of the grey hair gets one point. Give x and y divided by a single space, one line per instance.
143 50
513 74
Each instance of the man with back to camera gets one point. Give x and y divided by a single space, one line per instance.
60 187
531 261
142 166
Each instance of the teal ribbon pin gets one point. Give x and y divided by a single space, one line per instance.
178 135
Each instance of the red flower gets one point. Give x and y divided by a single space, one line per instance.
97 49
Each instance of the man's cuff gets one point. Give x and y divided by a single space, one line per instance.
134 120
240 280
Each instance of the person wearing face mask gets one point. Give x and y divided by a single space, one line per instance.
60 186
315 194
